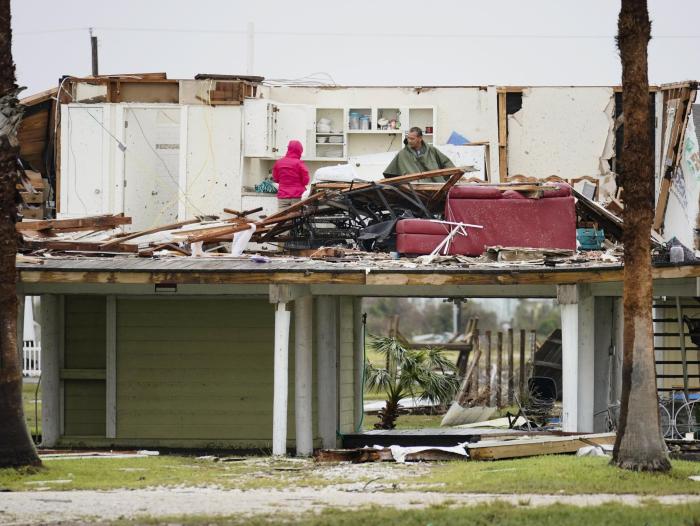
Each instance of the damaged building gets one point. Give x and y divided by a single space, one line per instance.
153 333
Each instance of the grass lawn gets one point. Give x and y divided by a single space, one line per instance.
33 418
563 474
482 515
405 421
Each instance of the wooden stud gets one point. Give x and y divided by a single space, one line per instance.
522 385
487 365
502 138
511 372
499 370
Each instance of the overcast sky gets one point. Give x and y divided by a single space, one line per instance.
360 42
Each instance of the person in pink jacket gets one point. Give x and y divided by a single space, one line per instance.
291 174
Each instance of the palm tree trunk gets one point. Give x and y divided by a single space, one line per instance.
16 447
388 415
639 445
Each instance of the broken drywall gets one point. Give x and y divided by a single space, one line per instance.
682 212
567 132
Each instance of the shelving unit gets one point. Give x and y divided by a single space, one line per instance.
326 132
330 145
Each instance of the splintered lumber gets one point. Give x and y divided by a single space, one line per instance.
141 233
244 213
75 246
207 234
440 195
356 456
530 447
71 225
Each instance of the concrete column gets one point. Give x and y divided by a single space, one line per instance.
303 370
577 317
51 348
281 380
326 369
359 351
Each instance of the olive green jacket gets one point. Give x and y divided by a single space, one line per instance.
406 162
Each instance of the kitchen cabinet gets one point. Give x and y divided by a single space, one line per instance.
269 126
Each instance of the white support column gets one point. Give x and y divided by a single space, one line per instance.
20 329
577 323
326 369
303 371
50 370
359 350
111 368
281 380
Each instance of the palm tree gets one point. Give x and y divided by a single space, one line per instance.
408 372
16 447
639 445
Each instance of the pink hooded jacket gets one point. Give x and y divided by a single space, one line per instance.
291 173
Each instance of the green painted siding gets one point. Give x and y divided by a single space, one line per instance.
84 348
346 366
84 405
85 318
197 369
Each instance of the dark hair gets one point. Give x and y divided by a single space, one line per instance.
416 130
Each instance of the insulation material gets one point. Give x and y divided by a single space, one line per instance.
562 131
682 212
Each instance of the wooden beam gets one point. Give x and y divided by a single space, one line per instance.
500 449
511 369
141 233
76 246
502 138
80 223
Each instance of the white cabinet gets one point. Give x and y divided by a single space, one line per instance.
269 126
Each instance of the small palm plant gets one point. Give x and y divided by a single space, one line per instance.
409 372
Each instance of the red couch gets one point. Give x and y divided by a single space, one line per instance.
508 218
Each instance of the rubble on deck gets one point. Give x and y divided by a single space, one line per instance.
352 223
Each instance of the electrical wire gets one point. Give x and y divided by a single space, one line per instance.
345 34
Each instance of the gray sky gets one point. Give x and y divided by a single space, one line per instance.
378 42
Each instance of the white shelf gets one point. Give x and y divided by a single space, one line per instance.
377 132
330 144
333 134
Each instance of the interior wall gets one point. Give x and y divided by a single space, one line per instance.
565 131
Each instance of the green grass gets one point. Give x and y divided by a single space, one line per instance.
552 474
406 421
165 470
32 417
556 474
498 514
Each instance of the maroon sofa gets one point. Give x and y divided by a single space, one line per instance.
508 218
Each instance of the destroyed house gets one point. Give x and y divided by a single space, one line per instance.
145 344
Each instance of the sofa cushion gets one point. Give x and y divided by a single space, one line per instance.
474 192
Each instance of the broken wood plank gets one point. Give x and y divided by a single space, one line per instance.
244 213
530 447
356 456
439 196
80 223
141 233
75 246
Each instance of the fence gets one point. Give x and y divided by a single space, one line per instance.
31 358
